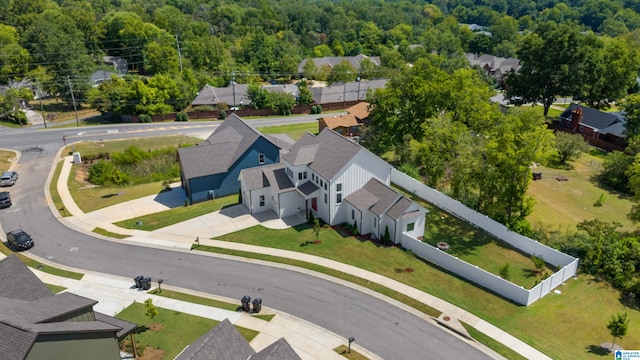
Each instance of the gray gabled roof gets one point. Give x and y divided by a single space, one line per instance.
351 91
308 188
399 208
273 176
330 150
24 315
125 327
279 350
221 150
332 61
375 196
211 96
605 122
223 342
24 284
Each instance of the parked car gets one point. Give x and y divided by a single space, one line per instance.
5 199
19 240
8 178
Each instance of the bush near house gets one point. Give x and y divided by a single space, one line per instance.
135 166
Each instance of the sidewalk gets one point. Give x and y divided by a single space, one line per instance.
181 236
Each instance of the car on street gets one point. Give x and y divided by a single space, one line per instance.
8 178
19 240
5 199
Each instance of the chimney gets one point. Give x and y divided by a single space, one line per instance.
576 119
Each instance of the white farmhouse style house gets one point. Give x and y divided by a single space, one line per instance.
338 181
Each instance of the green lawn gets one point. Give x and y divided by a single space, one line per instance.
563 326
295 131
493 344
151 143
477 247
55 288
349 353
561 205
40 266
5 159
196 299
173 216
53 190
177 329
104 232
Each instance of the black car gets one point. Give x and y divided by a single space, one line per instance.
19 240
5 199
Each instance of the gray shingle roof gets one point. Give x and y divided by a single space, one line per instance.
125 327
283 141
222 342
272 176
333 152
210 95
279 180
24 284
375 196
308 188
604 122
332 61
350 91
399 208
279 350
25 314
221 150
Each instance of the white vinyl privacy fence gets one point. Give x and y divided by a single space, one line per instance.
568 265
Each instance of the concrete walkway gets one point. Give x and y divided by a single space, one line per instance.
182 236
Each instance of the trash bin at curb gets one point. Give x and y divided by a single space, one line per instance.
246 300
146 283
138 280
257 305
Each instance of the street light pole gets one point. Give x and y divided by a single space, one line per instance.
233 84
358 80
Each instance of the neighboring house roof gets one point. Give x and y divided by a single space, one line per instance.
222 342
604 122
360 110
332 61
287 89
102 75
376 197
342 120
210 95
326 154
24 316
351 91
279 350
24 285
119 64
221 150
494 64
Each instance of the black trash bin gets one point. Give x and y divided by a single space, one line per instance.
146 283
257 305
138 280
246 300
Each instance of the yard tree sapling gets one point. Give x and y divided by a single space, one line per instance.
618 326
316 228
538 263
150 310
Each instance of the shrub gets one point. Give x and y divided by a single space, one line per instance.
504 272
311 218
182 116
600 201
386 238
314 109
319 109
222 114
144 118
354 229
100 172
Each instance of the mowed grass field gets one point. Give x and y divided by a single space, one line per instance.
561 205
5 159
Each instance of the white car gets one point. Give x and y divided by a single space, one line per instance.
8 178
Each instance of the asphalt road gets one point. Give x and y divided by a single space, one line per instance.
386 330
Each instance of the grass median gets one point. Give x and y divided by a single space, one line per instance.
40 266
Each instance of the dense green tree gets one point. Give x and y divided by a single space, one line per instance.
552 61
631 106
304 94
614 171
259 96
342 72
569 146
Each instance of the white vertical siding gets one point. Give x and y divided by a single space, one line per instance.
290 202
358 171
255 200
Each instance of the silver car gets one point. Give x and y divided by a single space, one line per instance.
9 178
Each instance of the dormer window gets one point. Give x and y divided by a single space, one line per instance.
260 158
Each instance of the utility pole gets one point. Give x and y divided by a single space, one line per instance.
41 108
344 95
233 85
179 54
358 80
75 110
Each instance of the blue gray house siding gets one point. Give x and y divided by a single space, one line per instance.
227 183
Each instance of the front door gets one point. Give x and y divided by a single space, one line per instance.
314 204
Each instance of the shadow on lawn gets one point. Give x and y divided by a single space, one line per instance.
598 350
